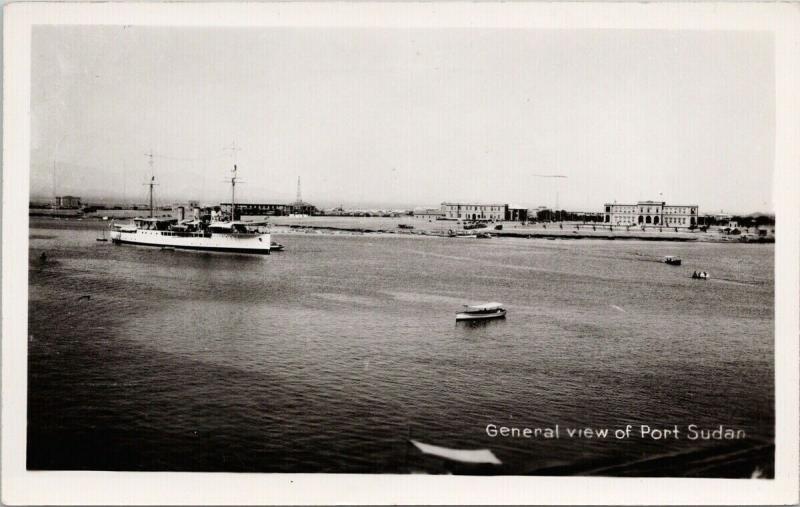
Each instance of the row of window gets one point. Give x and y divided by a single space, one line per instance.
675 220
454 214
666 212
475 208
171 233
666 209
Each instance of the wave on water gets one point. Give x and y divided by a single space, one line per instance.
419 297
347 298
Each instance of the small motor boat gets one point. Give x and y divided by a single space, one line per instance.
672 260
701 276
275 246
481 312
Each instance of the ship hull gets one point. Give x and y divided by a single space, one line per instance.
500 314
225 243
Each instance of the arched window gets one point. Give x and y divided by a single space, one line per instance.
655 220
648 219
641 219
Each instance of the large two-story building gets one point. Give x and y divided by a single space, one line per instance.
651 214
467 211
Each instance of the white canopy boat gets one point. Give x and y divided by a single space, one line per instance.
481 312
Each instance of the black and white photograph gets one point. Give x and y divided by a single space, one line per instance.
400 248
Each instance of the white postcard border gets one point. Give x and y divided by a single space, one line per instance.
90 488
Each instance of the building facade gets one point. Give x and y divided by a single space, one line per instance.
478 212
258 210
516 214
429 214
68 202
651 214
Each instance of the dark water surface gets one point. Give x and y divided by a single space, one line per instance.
328 356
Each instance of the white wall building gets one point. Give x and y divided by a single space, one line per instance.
469 211
651 214
428 214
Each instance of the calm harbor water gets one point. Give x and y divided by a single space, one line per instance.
329 356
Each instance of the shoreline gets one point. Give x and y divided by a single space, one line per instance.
390 226
291 226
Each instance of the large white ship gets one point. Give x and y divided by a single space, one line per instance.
210 234
230 236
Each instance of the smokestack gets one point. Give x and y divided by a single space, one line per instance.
181 213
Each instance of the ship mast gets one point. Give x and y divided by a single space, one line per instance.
233 149
152 181
233 194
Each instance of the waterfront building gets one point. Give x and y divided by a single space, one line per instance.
470 211
429 214
651 214
68 202
269 209
257 210
516 213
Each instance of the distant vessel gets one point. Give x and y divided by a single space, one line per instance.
460 234
481 312
214 235
701 276
475 225
672 260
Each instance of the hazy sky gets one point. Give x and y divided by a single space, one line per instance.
404 117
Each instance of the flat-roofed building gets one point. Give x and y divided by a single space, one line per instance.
428 214
478 212
68 202
651 214
516 213
258 210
